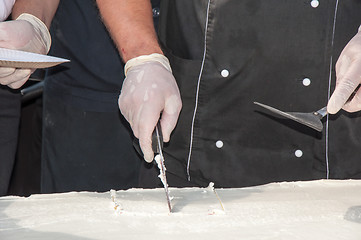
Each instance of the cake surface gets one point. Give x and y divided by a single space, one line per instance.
324 209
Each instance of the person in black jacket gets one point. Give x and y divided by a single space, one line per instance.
227 54
26 33
87 144
222 56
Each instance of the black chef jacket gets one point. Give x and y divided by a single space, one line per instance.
226 54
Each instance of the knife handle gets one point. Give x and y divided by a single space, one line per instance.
353 93
154 140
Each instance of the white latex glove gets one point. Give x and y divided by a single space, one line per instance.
26 33
5 8
150 90
348 77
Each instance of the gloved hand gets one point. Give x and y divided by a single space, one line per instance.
348 77
149 91
5 8
26 33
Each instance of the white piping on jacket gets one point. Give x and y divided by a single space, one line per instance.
329 90
197 92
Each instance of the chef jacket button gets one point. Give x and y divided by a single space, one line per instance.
224 73
315 3
156 12
298 153
219 144
306 82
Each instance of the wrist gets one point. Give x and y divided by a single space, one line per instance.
136 49
154 57
39 27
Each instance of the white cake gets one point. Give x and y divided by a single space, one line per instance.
326 209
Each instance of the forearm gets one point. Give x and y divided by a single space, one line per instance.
130 24
42 9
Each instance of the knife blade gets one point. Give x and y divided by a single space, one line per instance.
157 145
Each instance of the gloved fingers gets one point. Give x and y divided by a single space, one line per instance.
146 123
354 104
15 34
345 85
146 147
145 139
6 71
168 123
127 112
5 8
170 116
134 118
342 65
340 96
20 76
18 84
26 33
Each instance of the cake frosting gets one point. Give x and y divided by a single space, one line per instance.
322 209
